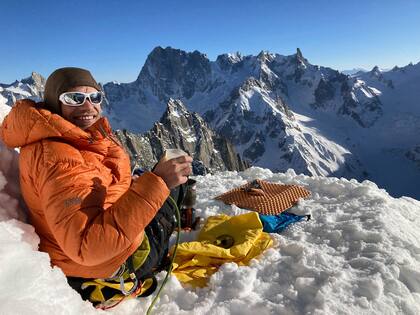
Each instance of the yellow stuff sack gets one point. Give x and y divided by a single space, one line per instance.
223 239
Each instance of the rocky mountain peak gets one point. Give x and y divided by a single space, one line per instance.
35 79
300 59
375 70
233 57
249 84
227 61
377 74
160 58
176 108
175 111
178 128
173 73
265 56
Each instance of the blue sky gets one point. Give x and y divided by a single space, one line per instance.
113 38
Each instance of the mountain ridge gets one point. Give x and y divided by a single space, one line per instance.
310 111
283 112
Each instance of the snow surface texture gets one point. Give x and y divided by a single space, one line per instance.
360 253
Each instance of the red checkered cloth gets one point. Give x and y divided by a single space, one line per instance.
264 197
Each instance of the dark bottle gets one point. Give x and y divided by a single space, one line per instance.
188 217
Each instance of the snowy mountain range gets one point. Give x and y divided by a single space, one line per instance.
246 100
353 71
31 87
283 112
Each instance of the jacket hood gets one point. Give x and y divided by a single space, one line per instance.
29 122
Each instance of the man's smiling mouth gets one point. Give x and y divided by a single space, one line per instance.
85 117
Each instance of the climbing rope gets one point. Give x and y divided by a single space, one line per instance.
178 220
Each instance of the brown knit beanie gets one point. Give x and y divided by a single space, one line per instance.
63 79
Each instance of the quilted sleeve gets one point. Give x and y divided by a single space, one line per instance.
72 197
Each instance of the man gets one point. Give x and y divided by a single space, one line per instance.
88 211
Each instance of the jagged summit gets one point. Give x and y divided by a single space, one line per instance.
169 54
266 56
172 72
179 128
229 62
375 69
300 59
234 57
175 110
299 54
35 79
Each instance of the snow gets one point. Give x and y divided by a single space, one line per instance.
4 109
360 253
175 113
20 89
234 57
191 139
375 91
187 134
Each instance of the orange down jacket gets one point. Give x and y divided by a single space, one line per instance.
77 184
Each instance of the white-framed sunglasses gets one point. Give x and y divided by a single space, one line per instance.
79 98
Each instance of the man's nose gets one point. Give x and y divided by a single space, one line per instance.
87 104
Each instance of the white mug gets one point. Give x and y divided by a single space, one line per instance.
170 154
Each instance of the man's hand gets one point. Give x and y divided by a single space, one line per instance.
175 171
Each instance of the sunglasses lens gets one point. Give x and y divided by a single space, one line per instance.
78 98
96 98
73 98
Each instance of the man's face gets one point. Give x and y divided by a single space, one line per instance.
84 115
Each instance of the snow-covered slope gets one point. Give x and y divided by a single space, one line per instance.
360 253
